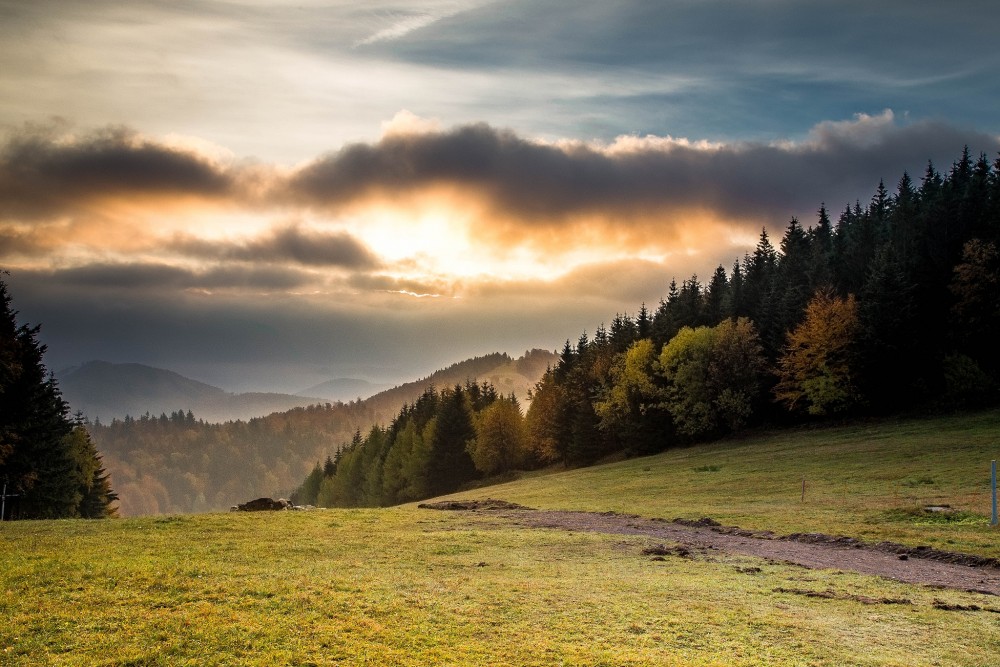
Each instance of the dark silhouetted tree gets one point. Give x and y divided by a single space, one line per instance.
45 458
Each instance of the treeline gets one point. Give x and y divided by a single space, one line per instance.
434 445
177 463
49 466
895 306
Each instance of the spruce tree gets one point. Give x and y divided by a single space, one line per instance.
789 291
715 296
450 465
757 276
46 459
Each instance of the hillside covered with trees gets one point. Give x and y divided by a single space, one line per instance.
179 463
49 466
894 307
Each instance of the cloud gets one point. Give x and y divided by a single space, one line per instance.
650 182
287 244
470 200
157 278
19 242
43 171
402 23
419 289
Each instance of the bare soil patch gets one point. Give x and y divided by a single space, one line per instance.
488 504
915 565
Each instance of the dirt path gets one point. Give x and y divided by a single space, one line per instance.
915 565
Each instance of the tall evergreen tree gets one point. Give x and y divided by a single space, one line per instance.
789 291
903 222
734 304
821 250
643 323
450 465
716 295
665 320
889 364
45 458
757 276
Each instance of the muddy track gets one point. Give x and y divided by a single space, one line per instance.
915 565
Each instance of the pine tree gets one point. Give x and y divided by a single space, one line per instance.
96 495
821 249
734 304
450 465
790 289
757 276
665 322
45 458
329 467
889 364
715 296
903 222
643 323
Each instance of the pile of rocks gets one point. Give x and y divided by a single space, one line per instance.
268 505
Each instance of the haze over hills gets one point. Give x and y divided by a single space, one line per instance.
106 391
344 389
181 464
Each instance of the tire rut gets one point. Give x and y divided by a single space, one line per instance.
914 565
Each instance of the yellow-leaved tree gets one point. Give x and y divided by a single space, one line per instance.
816 371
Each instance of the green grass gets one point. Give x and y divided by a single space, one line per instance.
405 586
867 480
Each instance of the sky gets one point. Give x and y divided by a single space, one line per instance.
267 195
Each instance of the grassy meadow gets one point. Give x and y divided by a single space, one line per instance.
405 586
869 480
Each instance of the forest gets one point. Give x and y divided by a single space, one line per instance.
180 463
893 308
50 467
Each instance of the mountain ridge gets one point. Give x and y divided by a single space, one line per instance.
184 464
106 390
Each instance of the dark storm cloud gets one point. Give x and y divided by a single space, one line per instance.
42 171
288 244
162 278
539 183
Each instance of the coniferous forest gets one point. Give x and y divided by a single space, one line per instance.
179 463
892 307
49 466
889 306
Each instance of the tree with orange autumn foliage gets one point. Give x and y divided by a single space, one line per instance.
816 371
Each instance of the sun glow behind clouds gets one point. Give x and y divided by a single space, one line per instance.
435 243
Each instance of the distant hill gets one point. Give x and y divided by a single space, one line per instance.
517 376
344 389
105 391
175 464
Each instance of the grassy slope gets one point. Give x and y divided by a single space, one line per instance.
867 480
413 587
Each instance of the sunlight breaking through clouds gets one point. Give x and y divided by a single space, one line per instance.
395 167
